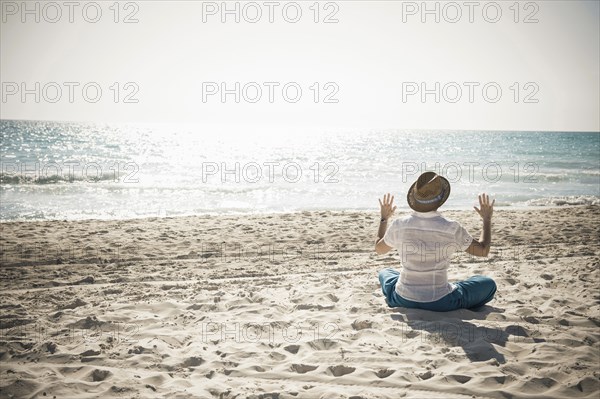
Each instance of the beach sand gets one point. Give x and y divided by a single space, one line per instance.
289 306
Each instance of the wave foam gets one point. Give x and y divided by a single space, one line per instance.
567 200
10 178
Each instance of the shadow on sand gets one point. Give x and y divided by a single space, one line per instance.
453 329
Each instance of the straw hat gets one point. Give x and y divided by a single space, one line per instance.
428 193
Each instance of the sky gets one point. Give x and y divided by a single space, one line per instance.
342 64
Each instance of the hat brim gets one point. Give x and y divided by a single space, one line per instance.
410 197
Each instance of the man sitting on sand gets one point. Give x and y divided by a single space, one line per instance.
425 241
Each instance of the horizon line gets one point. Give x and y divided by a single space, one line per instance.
300 127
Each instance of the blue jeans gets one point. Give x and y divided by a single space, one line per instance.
472 293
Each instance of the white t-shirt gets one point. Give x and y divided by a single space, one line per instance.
426 242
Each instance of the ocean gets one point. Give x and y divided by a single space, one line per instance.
72 171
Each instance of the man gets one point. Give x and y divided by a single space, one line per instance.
425 241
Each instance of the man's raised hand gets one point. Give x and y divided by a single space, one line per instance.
485 209
387 208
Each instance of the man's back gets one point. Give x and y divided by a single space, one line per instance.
426 242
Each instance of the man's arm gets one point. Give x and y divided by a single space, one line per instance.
482 247
380 246
386 212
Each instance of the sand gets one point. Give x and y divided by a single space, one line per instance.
289 306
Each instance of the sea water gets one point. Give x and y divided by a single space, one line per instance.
56 170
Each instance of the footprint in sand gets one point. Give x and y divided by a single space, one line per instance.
322 344
89 352
500 379
460 378
384 373
540 384
193 361
292 348
302 368
99 375
412 334
333 298
361 324
277 356
338 371
531 319
587 385
426 375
